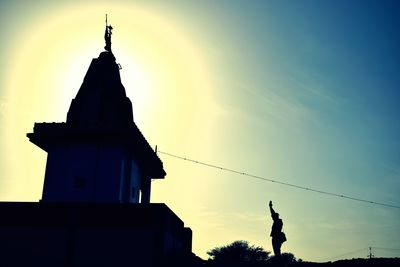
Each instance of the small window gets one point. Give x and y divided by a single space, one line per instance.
80 182
133 193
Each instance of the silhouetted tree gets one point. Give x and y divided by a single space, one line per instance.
237 253
288 257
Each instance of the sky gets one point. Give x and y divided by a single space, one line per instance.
302 92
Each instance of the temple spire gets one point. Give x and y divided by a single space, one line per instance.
107 36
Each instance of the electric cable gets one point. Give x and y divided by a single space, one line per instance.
279 182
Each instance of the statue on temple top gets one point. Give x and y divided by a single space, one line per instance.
107 36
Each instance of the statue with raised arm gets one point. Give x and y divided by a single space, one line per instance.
107 37
278 237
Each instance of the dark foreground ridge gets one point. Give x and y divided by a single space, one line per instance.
375 262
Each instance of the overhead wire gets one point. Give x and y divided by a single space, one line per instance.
279 182
387 249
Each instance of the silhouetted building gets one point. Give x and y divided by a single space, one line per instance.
99 167
99 154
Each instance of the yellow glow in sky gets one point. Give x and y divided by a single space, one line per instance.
162 71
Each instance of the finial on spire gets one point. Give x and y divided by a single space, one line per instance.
107 36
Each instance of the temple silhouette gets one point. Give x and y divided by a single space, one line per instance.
95 208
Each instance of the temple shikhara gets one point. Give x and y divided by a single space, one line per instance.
95 208
99 154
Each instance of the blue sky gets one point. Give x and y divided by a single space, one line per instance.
304 92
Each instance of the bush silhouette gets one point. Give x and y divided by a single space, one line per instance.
289 258
238 253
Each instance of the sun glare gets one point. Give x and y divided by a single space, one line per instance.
162 72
